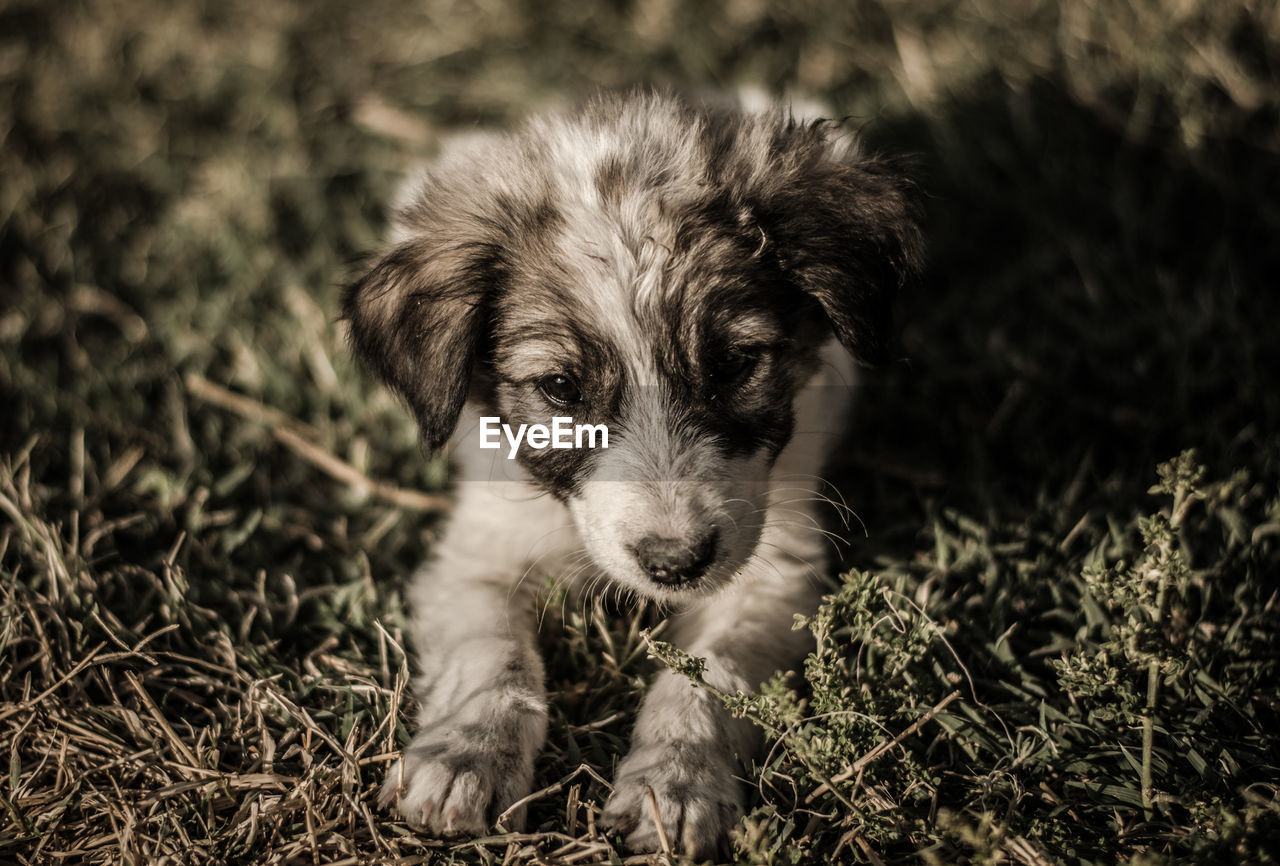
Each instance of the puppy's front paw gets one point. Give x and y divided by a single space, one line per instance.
460 780
699 802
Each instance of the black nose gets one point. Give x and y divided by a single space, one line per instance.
673 561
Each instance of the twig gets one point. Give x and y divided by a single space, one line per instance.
861 764
1148 716
553 788
657 820
1026 853
1181 502
81 665
298 437
232 781
867 850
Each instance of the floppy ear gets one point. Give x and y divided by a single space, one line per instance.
416 320
847 233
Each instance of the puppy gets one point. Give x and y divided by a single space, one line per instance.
692 281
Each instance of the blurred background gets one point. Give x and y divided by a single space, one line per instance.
187 187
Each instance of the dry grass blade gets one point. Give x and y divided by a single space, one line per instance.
179 747
61 681
657 822
299 438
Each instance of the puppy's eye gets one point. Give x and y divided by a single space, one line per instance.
560 389
735 366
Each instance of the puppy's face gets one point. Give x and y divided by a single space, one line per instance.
689 349
665 272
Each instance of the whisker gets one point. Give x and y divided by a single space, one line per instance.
809 566
756 557
533 564
829 537
834 488
842 507
845 514
561 584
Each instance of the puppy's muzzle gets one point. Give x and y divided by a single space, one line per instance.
675 561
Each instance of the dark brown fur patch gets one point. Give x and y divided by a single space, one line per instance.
766 222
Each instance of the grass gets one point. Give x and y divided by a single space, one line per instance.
1035 656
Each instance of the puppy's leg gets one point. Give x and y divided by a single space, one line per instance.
483 713
686 746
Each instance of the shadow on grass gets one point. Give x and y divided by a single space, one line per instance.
1092 307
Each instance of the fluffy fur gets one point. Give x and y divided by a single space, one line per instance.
678 271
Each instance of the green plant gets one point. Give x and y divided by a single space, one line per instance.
1144 734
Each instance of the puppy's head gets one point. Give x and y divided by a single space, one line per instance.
664 270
